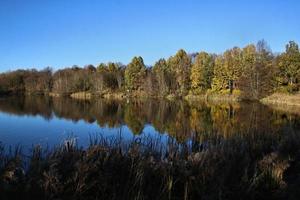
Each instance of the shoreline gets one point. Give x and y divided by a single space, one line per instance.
274 100
281 99
122 95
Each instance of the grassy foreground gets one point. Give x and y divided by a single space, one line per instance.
262 166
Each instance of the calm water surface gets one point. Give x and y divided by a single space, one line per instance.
48 121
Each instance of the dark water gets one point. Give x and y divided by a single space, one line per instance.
48 121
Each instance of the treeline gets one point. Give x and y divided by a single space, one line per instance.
251 72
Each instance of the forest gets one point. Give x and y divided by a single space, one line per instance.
252 72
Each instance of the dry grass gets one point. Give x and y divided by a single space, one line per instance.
110 168
81 95
52 94
283 99
215 97
114 95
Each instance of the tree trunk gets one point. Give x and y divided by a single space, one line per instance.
291 81
230 86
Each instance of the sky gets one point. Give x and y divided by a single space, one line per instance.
61 33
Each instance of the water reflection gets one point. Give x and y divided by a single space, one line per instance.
179 119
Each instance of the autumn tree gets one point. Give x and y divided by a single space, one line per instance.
120 75
228 70
289 66
38 82
81 80
116 75
134 73
12 82
249 80
99 78
233 67
61 81
202 72
90 68
262 76
219 81
257 71
163 77
71 80
150 84
109 76
252 71
180 65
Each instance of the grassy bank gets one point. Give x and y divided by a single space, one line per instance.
81 95
261 166
214 97
282 99
276 99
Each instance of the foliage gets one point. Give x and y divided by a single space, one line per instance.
289 67
253 72
180 65
134 73
228 70
163 76
256 80
202 72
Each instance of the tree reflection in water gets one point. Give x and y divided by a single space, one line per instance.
179 119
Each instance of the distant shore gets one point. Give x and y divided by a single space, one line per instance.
275 99
280 101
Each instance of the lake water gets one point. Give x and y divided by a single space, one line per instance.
29 120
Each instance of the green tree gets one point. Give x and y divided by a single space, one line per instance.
134 73
202 72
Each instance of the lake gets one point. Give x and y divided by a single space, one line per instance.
28 120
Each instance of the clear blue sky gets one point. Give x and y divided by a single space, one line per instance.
60 33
